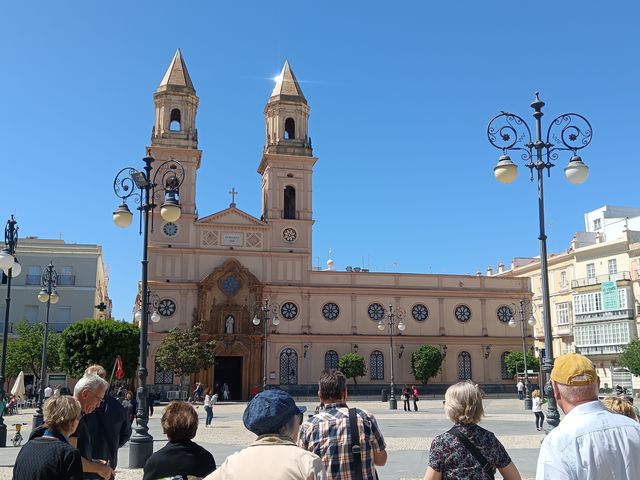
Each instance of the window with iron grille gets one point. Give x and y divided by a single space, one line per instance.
376 365
331 360
503 366
288 367
163 377
464 366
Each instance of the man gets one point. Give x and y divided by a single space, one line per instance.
328 434
275 418
590 442
89 391
48 391
520 387
108 424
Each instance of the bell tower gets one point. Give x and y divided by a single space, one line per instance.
287 166
174 135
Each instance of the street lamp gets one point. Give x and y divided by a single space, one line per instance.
144 190
47 295
153 302
11 268
268 309
392 314
528 403
568 132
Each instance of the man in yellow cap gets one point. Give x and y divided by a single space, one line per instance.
590 443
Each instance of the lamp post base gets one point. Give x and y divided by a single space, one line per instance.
393 403
140 449
3 434
38 419
528 403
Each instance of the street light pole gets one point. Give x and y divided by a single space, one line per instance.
11 268
528 402
140 186
392 314
567 132
267 310
49 295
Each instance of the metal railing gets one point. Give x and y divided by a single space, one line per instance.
598 279
622 314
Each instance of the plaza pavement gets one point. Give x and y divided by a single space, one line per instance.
408 435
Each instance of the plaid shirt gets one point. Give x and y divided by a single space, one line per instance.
327 434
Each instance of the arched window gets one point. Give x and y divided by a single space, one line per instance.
503 366
289 202
289 129
288 367
162 377
376 365
464 366
175 121
331 360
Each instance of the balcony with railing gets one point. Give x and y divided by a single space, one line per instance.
605 316
598 279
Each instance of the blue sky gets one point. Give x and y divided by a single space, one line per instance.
400 95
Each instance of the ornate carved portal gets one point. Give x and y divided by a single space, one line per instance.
225 298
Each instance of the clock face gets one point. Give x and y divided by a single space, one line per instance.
170 229
289 234
166 307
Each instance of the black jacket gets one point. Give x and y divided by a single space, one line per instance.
109 428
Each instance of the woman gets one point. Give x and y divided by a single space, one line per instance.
415 396
450 459
621 406
405 398
130 405
208 407
52 456
537 408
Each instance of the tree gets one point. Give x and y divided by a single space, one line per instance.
184 352
24 352
630 357
352 365
425 363
514 361
92 341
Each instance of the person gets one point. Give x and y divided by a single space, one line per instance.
197 393
328 434
590 442
415 396
449 457
29 390
180 456
405 398
56 390
621 406
520 387
208 407
108 425
151 400
537 408
89 391
629 398
48 391
254 390
51 456
130 405
225 392
274 416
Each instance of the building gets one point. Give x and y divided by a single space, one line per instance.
213 270
594 291
82 283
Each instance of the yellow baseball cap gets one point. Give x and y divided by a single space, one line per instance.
573 369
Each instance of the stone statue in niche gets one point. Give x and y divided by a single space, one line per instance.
229 324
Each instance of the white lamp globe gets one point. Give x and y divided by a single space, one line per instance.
512 322
380 326
576 171
155 317
16 269
6 259
138 316
532 320
54 298
276 321
170 211
256 320
43 296
505 171
122 217
401 326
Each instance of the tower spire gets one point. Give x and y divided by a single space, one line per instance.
176 75
287 85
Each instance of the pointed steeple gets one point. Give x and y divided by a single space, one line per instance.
176 75
287 85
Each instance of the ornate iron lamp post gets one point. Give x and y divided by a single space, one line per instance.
269 312
11 268
568 132
528 403
144 189
47 295
392 314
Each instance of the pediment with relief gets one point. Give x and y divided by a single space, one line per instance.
231 216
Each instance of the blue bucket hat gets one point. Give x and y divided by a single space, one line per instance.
270 410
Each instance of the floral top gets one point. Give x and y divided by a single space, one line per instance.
451 458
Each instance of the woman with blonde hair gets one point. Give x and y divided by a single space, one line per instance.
537 408
621 406
51 455
467 451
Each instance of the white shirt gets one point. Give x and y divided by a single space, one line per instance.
537 404
520 386
591 443
207 401
48 391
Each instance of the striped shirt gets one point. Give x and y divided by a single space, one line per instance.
328 435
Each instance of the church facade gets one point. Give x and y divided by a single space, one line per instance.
221 270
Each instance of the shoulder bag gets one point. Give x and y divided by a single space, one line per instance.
356 452
489 469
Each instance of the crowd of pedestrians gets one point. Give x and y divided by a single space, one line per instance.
82 433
